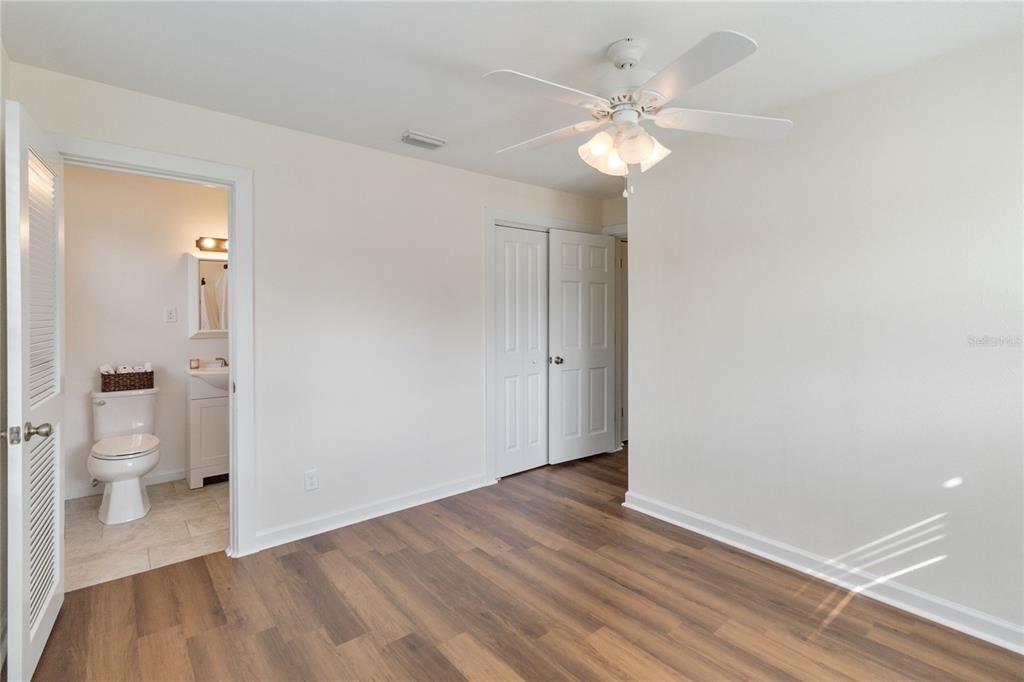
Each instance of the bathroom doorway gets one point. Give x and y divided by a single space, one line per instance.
146 424
36 355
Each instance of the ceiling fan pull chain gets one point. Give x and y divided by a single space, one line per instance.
628 187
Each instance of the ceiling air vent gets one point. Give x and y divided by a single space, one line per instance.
421 140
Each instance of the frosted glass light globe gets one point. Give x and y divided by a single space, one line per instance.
616 164
599 153
636 148
600 144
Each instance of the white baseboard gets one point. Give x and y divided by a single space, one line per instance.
969 621
291 532
73 492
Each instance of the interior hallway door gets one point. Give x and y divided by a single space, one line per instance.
521 353
582 345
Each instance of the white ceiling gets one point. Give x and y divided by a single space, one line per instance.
364 72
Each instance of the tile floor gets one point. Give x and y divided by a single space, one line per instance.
182 524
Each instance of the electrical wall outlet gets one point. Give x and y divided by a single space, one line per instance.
170 314
312 479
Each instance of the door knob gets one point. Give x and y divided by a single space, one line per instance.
44 430
558 360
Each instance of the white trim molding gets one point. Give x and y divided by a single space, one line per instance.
969 621
280 535
241 233
505 218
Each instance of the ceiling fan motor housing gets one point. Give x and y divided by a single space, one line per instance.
620 84
626 114
626 53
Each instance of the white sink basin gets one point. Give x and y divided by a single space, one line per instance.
217 377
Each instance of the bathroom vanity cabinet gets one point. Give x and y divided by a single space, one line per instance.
208 421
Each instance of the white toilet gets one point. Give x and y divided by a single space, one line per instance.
125 451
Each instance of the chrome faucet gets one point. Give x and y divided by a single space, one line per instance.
223 361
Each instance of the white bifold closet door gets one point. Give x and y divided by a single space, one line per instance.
582 345
521 353
35 397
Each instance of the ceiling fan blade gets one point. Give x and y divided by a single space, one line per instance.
560 134
719 123
538 87
715 53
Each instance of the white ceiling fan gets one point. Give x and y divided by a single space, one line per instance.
636 96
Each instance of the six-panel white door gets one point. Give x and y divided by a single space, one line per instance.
35 345
521 353
582 345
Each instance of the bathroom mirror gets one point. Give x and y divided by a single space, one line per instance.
208 296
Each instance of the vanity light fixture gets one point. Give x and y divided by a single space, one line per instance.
212 244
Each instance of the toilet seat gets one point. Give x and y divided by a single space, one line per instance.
125 447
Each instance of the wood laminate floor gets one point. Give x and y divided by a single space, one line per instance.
544 576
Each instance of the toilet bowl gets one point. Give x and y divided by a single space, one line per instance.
124 452
120 463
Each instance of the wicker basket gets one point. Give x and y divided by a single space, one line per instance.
129 381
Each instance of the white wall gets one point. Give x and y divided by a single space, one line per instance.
800 316
126 240
613 212
369 297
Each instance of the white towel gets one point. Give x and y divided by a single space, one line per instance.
208 317
204 312
222 298
125 369
139 368
107 369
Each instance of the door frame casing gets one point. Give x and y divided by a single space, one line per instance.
493 219
241 331
622 339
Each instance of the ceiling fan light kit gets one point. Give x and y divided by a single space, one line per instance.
600 153
621 142
659 153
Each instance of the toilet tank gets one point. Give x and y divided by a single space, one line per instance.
119 413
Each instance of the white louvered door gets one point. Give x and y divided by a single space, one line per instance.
35 353
582 345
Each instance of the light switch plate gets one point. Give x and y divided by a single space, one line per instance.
170 314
